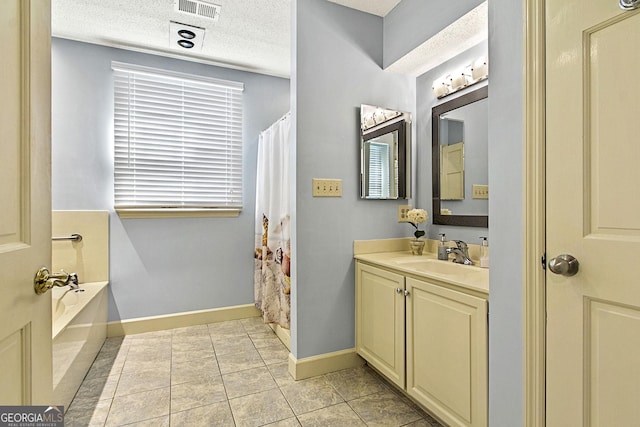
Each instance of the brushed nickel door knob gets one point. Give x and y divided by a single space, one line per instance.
629 4
565 265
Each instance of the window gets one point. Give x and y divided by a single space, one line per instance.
379 184
178 142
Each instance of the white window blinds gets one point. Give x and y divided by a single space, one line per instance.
379 184
178 140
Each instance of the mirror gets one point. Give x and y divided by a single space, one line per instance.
451 158
384 153
460 160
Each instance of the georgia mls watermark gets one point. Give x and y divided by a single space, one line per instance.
31 416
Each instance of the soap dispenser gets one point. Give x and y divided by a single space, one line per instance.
442 248
484 253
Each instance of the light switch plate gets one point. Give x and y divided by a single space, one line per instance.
402 213
327 187
480 191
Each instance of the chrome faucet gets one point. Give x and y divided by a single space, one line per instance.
461 253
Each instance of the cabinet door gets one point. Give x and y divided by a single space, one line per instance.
380 320
447 353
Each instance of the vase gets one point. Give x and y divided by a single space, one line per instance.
417 246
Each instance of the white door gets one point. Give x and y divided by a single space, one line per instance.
25 201
593 213
452 171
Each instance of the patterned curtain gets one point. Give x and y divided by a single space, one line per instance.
272 281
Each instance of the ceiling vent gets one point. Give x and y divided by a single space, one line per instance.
199 8
183 36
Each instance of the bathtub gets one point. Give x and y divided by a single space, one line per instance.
78 331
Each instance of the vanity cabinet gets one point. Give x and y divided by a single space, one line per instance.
446 352
380 314
428 339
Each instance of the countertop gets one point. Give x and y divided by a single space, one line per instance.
427 266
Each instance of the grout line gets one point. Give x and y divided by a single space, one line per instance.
278 387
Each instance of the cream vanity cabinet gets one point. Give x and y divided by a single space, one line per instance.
427 338
380 314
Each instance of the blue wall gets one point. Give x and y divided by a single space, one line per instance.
412 22
506 217
506 138
158 266
338 66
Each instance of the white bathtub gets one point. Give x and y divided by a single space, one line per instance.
78 332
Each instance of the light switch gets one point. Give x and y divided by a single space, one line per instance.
327 187
480 191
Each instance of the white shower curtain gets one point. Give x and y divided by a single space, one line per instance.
272 281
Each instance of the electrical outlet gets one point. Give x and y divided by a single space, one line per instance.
327 187
402 213
480 191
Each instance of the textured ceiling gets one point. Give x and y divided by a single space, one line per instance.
374 7
462 34
252 35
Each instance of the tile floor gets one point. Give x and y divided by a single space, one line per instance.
227 374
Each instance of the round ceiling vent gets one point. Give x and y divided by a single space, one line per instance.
184 36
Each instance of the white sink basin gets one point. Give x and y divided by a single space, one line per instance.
443 268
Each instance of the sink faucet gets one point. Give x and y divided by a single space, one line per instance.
461 253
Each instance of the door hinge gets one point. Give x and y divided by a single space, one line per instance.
543 260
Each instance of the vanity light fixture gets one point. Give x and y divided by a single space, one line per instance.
461 78
372 116
479 70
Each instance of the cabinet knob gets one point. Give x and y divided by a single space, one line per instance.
406 293
398 291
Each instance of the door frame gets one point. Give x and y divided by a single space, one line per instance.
534 303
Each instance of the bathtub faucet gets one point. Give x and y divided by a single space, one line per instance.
72 281
45 280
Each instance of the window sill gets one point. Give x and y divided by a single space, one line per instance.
177 213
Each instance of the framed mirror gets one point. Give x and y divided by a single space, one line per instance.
384 154
460 162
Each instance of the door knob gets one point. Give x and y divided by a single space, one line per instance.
45 280
629 4
565 265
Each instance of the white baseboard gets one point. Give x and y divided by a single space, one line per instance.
299 369
180 320
283 334
323 363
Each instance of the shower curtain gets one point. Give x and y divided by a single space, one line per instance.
272 281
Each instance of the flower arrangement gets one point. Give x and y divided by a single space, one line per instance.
417 216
